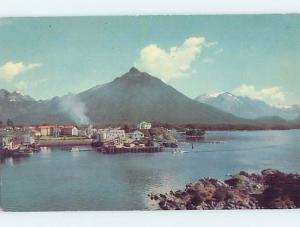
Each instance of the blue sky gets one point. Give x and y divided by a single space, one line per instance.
252 55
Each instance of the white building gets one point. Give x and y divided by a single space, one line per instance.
136 135
144 125
27 139
7 142
110 134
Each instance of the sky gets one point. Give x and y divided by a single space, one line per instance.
253 55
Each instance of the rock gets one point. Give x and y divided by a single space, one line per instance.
197 198
270 189
269 172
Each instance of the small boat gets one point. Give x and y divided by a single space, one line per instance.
24 150
78 149
75 149
179 151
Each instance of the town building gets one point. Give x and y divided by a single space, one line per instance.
144 125
69 130
7 142
27 139
36 133
136 135
58 130
49 130
110 134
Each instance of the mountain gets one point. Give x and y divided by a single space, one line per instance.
137 96
14 96
246 107
131 98
14 104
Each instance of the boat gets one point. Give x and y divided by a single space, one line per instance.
179 151
78 149
22 153
75 149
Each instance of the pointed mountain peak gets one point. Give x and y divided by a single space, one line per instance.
134 70
136 76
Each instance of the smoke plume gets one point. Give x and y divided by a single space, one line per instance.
75 108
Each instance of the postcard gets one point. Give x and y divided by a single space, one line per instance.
119 113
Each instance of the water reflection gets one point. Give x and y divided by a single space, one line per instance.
11 160
83 179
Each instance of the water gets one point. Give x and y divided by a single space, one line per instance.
57 179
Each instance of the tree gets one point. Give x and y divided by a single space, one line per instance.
1 124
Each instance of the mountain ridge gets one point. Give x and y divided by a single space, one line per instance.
128 99
149 92
245 107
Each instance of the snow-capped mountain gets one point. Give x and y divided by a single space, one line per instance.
15 96
246 107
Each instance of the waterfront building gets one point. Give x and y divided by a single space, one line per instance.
47 130
136 135
144 125
69 130
110 135
7 142
27 139
58 130
36 133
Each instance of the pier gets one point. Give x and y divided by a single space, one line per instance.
115 150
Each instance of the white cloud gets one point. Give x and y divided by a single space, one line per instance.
271 94
170 64
10 70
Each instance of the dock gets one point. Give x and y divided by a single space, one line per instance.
115 150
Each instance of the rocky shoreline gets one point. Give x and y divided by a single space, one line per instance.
270 189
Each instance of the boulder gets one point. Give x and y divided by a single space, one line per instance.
271 189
